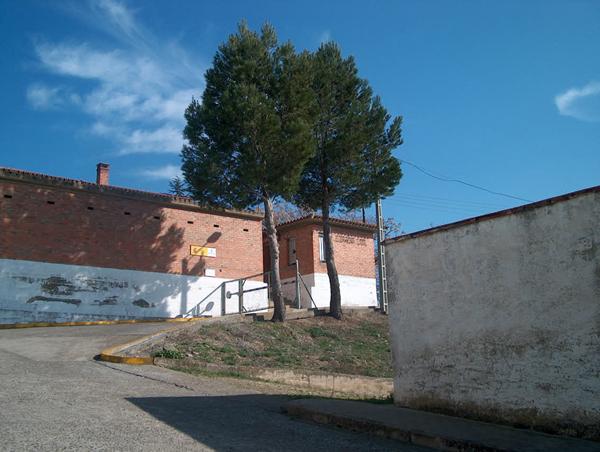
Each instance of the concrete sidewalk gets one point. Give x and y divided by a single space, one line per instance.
429 429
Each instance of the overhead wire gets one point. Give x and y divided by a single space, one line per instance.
438 207
459 181
447 201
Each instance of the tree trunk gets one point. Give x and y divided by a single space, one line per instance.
278 304
335 302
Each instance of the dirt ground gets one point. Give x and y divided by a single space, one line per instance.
359 344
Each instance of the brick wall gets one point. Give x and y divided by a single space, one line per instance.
69 226
304 251
353 248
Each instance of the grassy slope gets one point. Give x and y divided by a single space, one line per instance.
357 345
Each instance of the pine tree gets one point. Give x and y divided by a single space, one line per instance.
352 164
177 186
250 137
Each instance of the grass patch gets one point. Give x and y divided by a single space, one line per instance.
168 353
359 344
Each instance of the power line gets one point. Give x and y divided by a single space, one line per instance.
426 203
448 201
434 207
464 183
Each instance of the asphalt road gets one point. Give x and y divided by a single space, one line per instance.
54 396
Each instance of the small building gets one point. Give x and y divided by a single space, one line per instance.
353 244
74 250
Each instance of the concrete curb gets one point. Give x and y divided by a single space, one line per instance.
10 326
332 384
113 355
428 429
373 428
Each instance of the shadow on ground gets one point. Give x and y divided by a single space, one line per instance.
256 422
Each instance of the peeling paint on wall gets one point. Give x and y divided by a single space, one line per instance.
39 291
108 301
60 300
141 303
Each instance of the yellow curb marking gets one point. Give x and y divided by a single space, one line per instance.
9 326
112 355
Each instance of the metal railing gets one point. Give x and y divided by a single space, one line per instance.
239 283
225 295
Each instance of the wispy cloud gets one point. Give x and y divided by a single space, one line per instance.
325 36
140 86
166 172
580 103
42 97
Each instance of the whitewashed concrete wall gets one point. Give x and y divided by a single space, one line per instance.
39 291
500 319
355 291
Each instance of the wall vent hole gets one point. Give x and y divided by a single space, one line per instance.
127 213
90 208
156 217
190 222
216 225
50 202
8 196
245 230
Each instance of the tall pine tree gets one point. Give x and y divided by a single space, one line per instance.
250 137
352 164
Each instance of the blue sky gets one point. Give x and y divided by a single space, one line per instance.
505 95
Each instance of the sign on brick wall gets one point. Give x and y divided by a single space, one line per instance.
198 250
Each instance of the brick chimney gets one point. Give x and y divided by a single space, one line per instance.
102 171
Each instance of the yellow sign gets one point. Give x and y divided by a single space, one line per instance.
197 250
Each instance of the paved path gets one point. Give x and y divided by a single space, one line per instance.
53 396
436 430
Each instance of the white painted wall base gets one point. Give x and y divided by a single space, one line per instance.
39 291
356 291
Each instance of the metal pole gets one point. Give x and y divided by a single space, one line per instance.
383 299
298 302
223 296
269 297
241 296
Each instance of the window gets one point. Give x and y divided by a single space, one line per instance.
291 251
321 248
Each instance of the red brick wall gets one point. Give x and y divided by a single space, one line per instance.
354 251
68 232
304 252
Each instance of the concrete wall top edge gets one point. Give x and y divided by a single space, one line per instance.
493 215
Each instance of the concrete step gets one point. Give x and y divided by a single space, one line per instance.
430 429
290 314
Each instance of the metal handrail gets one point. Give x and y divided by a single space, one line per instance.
308 291
221 286
190 312
241 291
